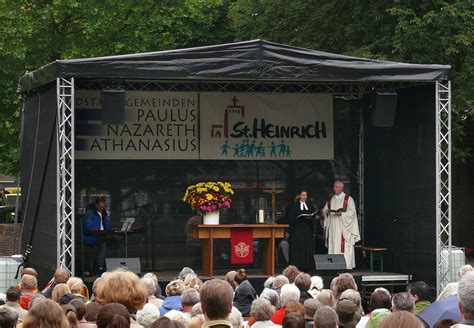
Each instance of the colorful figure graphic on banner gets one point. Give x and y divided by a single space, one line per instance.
224 148
247 149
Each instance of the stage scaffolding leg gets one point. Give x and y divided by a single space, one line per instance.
65 174
443 184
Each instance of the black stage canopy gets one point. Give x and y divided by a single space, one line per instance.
400 176
257 60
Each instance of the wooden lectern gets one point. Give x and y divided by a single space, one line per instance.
268 232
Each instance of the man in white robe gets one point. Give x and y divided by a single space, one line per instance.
340 224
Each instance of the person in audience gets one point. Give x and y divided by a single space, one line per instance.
192 281
326 297
325 317
466 300
189 298
153 276
235 318
36 299
8 317
401 319
71 315
150 286
184 272
229 277
403 302
347 312
354 296
30 271
81 312
244 293
291 272
379 305
165 322
310 307
45 314
279 282
446 323
216 303
271 296
59 291
113 315
178 316
452 287
147 315
294 306
92 310
303 282
269 283
122 287
61 276
29 287
262 311
77 287
341 283
289 292
421 294
316 286
293 320
173 297
13 296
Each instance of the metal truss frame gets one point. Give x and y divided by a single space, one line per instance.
65 174
65 97
443 184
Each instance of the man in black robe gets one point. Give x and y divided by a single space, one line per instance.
300 217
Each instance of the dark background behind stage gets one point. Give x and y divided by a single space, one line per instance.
399 191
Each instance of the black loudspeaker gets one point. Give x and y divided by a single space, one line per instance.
384 105
113 106
131 264
333 262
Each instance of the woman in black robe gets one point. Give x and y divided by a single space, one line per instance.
300 217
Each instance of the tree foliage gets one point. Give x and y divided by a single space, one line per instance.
34 33
417 31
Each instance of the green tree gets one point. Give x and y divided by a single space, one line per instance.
417 31
37 32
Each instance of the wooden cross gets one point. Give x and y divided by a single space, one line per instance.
273 191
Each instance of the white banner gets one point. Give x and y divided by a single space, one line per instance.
157 125
258 126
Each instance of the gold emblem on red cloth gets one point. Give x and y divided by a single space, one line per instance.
242 249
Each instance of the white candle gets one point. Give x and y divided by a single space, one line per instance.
260 216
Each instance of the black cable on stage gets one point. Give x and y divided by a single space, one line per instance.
29 246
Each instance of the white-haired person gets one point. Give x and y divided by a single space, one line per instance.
150 285
271 296
289 292
452 287
189 298
262 311
317 285
279 282
466 300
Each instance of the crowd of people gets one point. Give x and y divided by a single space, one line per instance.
293 299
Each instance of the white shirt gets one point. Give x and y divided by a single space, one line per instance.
303 206
341 195
101 225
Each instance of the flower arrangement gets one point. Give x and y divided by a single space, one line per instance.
209 197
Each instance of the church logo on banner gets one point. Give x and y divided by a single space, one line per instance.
257 126
241 240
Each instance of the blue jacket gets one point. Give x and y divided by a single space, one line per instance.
171 303
91 223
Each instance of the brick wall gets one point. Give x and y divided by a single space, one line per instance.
6 239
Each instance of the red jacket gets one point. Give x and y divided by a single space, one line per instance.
277 317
